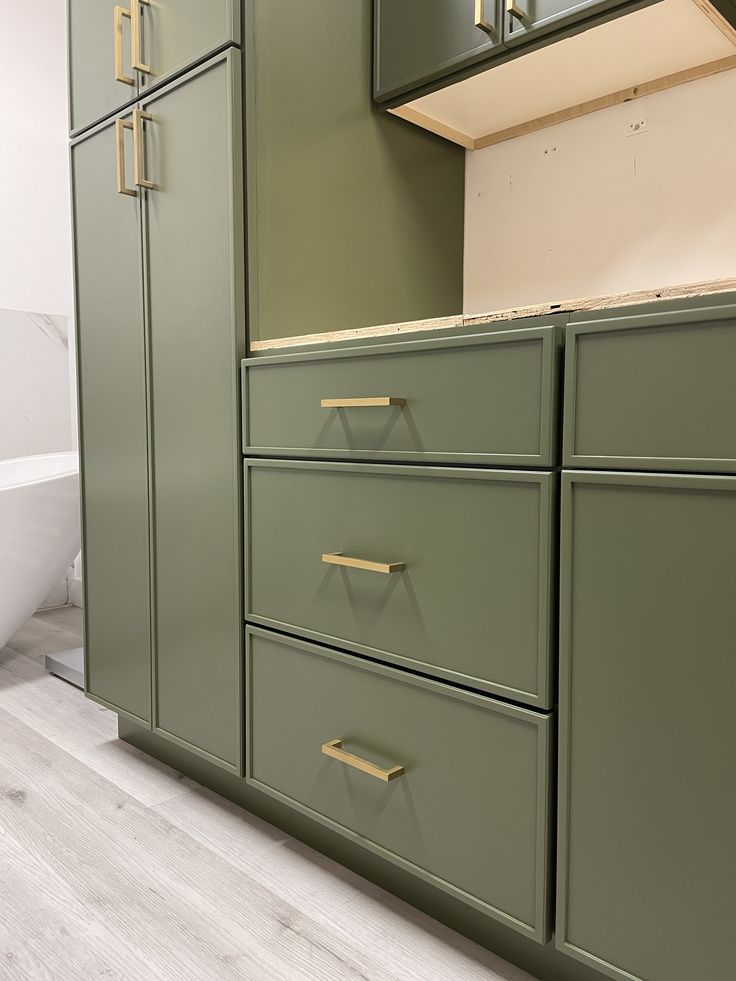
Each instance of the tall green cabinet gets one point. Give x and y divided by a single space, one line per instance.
160 314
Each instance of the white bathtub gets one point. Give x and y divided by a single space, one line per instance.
39 532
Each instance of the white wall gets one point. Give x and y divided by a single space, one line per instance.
35 238
584 209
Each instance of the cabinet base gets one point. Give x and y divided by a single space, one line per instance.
545 963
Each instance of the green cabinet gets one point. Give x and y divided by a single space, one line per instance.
647 795
101 74
417 41
488 398
111 352
472 601
119 50
470 810
526 19
179 33
652 392
160 310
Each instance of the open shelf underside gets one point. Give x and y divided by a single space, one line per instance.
638 54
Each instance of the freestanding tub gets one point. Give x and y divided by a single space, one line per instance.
39 532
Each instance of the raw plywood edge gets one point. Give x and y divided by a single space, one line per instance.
434 126
605 302
727 29
385 330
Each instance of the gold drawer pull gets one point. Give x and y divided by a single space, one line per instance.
334 749
358 403
513 8
337 558
138 117
118 15
120 127
135 36
482 22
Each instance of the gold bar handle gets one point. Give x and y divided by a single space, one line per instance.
358 403
337 558
135 36
334 749
120 127
137 126
118 15
513 8
482 22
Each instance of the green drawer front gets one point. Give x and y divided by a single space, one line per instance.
473 603
469 814
489 399
648 729
652 392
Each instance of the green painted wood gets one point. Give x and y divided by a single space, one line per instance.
94 91
542 961
179 33
647 796
469 762
489 398
113 429
545 16
474 602
652 392
417 41
195 302
355 218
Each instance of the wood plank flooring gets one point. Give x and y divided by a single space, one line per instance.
114 866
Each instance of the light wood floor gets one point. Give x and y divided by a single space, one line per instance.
114 866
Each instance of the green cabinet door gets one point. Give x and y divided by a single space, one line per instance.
418 41
179 33
101 75
112 393
524 19
193 232
648 731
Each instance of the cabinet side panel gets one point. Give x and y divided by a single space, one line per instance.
355 218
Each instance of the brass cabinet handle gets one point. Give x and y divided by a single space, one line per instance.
337 558
515 10
120 75
334 749
481 20
137 127
358 403
135 36
120 127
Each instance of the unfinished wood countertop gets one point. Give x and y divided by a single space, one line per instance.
607 302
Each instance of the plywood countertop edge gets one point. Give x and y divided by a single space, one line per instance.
605 302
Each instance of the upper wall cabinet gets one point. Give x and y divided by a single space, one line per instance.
117 51
421 40
572 62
